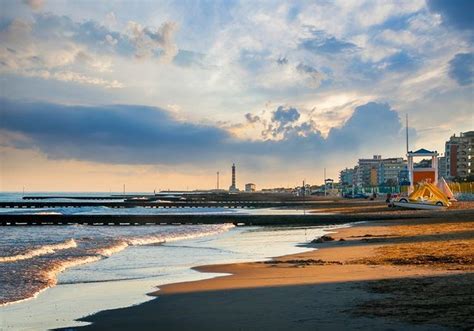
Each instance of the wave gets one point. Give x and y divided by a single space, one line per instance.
159 239
47 277
112 249
163 238
42 250
48 213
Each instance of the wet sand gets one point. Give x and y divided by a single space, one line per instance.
415 274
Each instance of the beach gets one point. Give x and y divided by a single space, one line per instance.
395 274
123 278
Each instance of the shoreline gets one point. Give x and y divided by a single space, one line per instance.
214 249
318 251
304 277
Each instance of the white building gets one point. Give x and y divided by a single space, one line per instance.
250 187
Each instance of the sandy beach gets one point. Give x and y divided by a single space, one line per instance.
398 274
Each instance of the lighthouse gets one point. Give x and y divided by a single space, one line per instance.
233 188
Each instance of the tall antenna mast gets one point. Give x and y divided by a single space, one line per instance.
218 180
407 130
324 181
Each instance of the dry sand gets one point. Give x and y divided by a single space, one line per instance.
401 275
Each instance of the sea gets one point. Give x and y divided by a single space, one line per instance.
51 276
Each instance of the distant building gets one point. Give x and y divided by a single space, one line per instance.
389 171
459 153
346 177
442 167
233 188
250 187
377 171
365 173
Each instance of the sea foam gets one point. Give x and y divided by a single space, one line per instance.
38 251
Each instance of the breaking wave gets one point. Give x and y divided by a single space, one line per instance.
42 250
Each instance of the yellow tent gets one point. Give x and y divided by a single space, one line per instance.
430 193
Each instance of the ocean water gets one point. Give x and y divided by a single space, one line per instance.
31 257
52 275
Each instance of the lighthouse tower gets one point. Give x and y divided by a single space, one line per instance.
233 188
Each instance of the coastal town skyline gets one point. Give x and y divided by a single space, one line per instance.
165 94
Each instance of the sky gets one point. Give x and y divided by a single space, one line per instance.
163 94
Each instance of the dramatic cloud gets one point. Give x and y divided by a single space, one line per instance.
372 124
126 134
115 134
461 68
459 13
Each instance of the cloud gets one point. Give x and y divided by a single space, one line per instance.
24 53
57 44
322 43
461 68
372 124
130 134
148 41
285 116
111 134
286 123
458 14
315 77
252 118
75 77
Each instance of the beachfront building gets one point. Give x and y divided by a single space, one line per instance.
459 153
250 187
390 171
366 175
442 172
376 172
